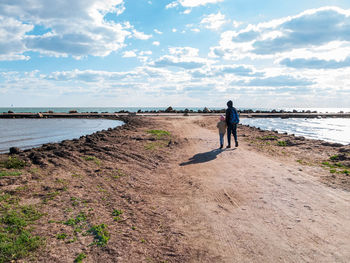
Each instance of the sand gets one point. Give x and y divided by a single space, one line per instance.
183 200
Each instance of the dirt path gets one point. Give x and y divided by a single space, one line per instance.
238 205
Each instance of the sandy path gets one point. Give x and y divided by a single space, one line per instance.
241 206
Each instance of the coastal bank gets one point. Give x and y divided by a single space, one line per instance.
157 189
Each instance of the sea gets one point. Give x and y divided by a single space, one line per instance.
29 133
328 129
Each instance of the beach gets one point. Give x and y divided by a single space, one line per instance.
158 189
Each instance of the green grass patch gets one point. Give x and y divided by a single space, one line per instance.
336 168
100 234
61 236
50 196
282 143
101 189
7 199
268 138
72 240
34 170
117 213
118 173
13 163
334 165
162 137
10 173
159 134
346 172
81 217
92 159
16 239
75 201
80 258
334 157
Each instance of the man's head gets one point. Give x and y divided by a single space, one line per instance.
230 104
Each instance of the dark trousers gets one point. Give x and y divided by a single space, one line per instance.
231 129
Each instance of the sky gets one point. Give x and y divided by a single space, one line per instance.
183 53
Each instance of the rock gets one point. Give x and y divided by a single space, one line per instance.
61 153
290 143
344 150
10 111
73 111
14 150
169 109
36 158
206 110
340 157
331 144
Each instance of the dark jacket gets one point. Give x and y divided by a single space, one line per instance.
232 116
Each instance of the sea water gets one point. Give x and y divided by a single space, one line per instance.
28 133
327 129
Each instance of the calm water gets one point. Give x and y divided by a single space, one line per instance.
28 133
328 129
135 109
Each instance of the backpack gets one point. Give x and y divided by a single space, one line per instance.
234 119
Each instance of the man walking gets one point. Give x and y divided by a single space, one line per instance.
232 120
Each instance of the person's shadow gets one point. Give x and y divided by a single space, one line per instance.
203 157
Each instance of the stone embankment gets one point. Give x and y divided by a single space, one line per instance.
283 115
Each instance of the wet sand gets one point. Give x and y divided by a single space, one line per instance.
183 200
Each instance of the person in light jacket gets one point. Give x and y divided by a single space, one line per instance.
222 130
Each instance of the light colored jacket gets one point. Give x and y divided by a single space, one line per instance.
222 127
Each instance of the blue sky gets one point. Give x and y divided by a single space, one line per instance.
175 52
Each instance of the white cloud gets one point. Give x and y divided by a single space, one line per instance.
214 21
157 32
172 5
77 28
236 24
12 34
174 30
192 3
140 35
156 43
311 34
129 54
147 52
182 57
183 83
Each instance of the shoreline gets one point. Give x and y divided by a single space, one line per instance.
126 116
283 115
128 169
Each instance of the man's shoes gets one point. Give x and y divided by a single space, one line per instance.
236 144
228 146
221 146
